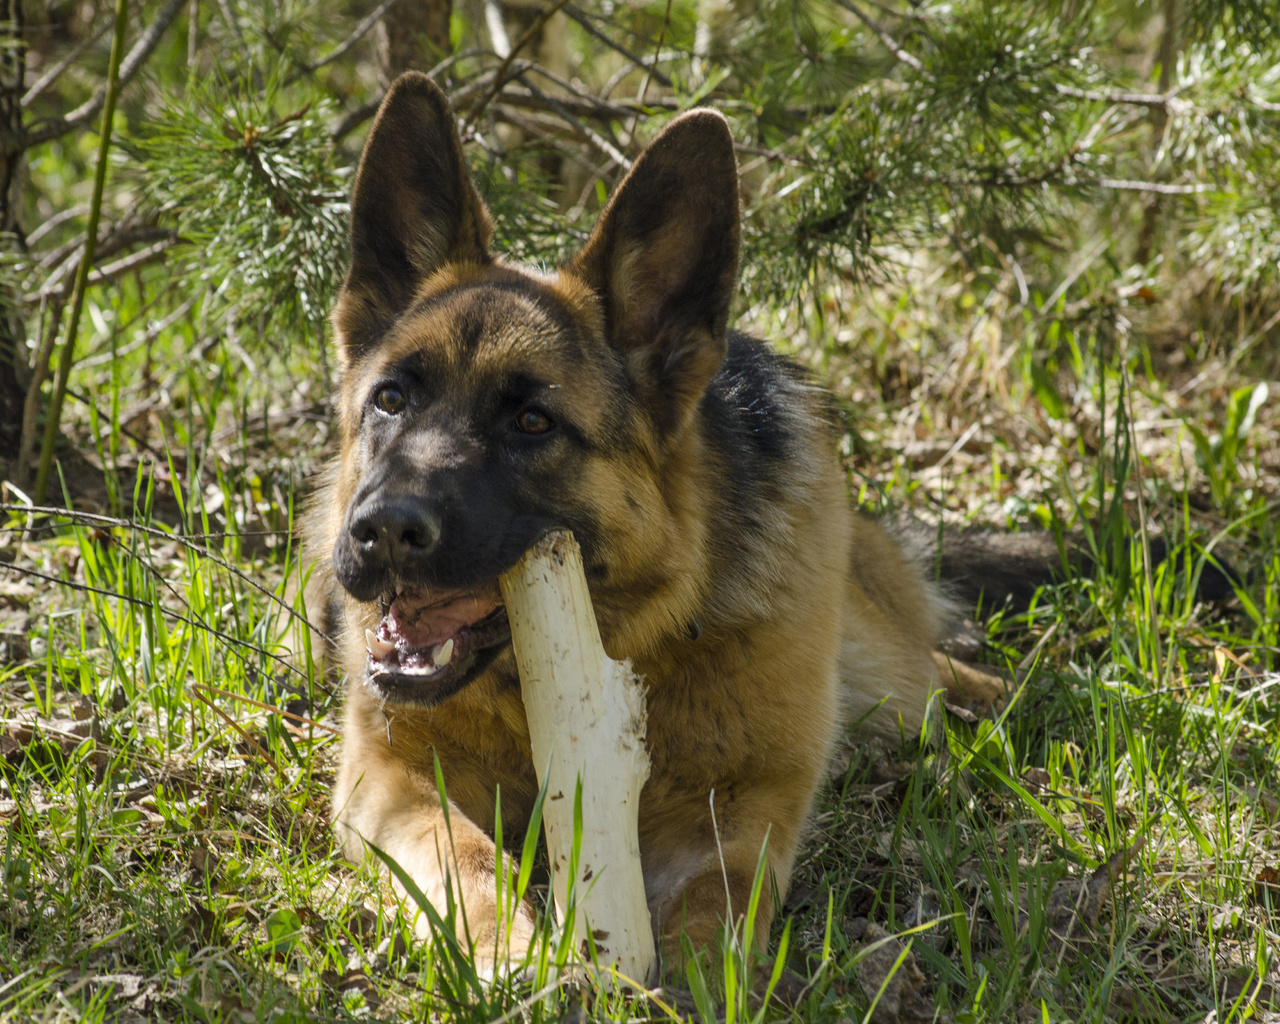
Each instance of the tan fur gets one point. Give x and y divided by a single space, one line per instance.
812 619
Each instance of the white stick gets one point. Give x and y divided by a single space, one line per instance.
586 717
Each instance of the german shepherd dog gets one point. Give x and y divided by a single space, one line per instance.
483 403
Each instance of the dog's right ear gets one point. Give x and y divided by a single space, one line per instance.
413 209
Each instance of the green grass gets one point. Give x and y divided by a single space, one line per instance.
164 774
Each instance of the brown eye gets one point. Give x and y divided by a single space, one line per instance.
389 399
533 421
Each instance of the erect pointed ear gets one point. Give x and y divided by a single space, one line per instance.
664 259
413 209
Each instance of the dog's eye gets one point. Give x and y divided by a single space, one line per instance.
533 421
389 399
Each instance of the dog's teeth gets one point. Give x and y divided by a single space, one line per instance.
441 654
376 646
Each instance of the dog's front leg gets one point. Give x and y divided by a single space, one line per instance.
379 802
698 882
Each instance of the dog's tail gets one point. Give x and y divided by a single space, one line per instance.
989 569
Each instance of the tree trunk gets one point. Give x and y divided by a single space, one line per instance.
14 373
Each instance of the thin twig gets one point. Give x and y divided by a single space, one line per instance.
648 72
580 16
596 139
553 138
151 334
105 417
269 707
250 740
361 114
168 612
186 541
57 220
110 271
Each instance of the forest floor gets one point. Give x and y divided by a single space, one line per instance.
1105 847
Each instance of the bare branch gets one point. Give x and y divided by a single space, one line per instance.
57 220
1152 186
151 254
542 130
1134 98
357 34
595 138
51 76
909 59
501 77
57 284
133 61
578 15
361 114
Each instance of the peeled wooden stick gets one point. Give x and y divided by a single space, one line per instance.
586 717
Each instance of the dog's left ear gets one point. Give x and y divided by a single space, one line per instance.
664 259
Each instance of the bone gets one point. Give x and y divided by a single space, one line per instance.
586 716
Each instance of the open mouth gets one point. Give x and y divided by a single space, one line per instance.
431 643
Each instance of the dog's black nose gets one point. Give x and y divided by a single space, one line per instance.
395 531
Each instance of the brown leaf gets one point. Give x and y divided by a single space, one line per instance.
1267 803
905 997
202 924
1036 780
353 979
1076 901
1267 886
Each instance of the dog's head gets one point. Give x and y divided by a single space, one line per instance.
484 403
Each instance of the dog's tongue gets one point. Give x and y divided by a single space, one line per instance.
421 619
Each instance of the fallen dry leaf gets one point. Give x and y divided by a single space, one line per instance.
1075 903
903 993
